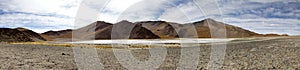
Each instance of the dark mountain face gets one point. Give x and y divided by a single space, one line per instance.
57 33
128 30
104 30
161 28
124 30
19 35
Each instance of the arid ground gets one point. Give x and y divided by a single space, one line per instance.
274 54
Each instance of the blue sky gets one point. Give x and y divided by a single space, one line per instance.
262 16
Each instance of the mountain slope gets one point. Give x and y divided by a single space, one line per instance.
103 30
126 29
19 35
208 28
161 28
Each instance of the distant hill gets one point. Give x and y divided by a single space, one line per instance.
120 30
103 30
53 35
19 35
207 28
200 29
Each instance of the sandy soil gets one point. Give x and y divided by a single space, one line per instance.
278 54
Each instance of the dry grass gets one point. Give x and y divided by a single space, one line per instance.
42 43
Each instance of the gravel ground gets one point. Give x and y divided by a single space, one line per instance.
276 54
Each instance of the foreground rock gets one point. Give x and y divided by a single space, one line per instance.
275 54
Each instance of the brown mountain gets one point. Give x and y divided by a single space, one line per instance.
57 33
19 35
201 29
52 35
161 28
210 28
96 30
207 28
104 30
126 29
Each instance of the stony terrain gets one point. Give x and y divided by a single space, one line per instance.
275 54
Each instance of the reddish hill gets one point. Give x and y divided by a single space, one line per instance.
103 30
201 29
19 35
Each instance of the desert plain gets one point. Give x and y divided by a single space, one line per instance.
282 53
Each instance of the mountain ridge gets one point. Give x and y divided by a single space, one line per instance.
207 28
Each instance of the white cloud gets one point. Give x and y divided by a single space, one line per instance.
267 25
114 9
39 15
182 13
134 10
88 12
35 22
101 10
250 14
270 1
145 10
62 7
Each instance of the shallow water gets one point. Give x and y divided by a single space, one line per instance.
152 41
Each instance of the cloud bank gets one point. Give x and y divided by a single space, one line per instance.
272 16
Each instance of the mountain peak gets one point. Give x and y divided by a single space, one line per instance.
205 21
209 19
21 29
101 22
124 21
152 21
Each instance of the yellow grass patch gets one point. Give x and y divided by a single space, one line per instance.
27 43
42 43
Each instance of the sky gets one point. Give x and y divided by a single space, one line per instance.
261 16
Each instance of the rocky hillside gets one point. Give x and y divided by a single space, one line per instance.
126 29
210 28
53 35
19 35
103 30
207 28
161 28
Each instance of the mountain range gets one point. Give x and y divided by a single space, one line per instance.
207 28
